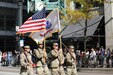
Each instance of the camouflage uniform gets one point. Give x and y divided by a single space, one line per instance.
71 64
61 60
39 54
26 63
54 62
46 69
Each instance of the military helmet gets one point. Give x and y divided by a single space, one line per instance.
71 46
40 43
27 46
55 44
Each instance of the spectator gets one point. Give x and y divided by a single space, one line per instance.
9 56
102 56
112 58
83 58
14 58
108 54
4 58
17 59
97 58
78 58
87 58
93 57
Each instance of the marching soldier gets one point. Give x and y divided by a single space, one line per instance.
71 62
44 58
39 55
61 62
26 62
54 60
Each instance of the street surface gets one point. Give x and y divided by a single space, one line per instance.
80 73
15 71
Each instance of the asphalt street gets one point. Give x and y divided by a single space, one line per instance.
80 73
16 70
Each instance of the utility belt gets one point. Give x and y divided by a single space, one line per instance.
38 66
38 59
54 67
61 65
71 67
54 58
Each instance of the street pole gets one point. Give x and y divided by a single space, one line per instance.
85 36
98 39
20 14
20 8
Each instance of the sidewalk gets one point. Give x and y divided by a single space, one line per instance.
107 70
9 69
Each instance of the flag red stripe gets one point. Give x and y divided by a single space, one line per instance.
33 26
34 22
28 29
48 31
31 30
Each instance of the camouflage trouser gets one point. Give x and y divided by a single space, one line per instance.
55 71
61 70
46 70
71 71
27 72
40 70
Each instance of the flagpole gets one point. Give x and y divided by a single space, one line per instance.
44 40
60 41
59 34
44 47
44 43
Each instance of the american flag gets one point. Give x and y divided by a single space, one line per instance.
52 26
35 23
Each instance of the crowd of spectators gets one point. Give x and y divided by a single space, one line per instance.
9 58
95 58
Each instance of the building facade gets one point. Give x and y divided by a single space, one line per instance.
9 20
108 9
8 23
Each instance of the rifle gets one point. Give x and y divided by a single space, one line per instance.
69 52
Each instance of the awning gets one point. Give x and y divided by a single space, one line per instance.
77 30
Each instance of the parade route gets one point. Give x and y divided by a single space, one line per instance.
15 71
79 73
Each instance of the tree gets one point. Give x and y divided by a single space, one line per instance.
85 12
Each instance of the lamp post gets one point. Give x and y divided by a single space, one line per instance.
20 8
20 4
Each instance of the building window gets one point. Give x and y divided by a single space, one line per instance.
1 23
97 4
53 0
9 1
3 0
25 2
